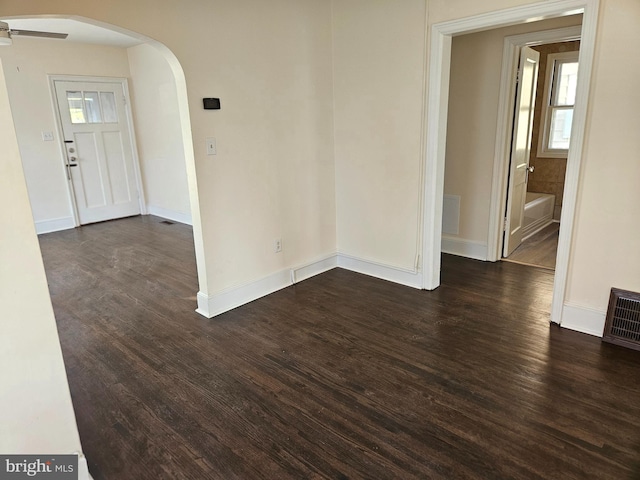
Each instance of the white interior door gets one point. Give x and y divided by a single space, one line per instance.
520 148
100 159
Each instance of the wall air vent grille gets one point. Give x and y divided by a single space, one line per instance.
623 319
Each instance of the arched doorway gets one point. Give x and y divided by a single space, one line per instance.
125 54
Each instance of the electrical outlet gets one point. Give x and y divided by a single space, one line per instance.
47 136
211 146
277 245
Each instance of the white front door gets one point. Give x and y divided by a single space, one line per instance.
520 148
100 159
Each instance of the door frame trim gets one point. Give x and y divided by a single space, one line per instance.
52 79
436 128
504 135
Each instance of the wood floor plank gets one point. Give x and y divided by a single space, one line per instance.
540 249
340 376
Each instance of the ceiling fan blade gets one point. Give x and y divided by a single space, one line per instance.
34 33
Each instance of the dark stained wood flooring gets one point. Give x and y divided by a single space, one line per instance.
342 376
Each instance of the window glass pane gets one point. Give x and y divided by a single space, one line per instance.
109 107
560 133
567 80
76 112
92 106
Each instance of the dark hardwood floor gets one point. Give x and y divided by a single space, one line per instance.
340 376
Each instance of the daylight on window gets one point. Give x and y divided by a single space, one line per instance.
564 99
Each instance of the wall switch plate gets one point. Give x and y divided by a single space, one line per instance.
47 136
277 245
211 146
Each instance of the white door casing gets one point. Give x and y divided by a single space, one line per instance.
99 149
436 121
521 148
506 105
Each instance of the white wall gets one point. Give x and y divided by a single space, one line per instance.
27 64
476 63
379 58
159 137
273 176
36 413
605 249
446 10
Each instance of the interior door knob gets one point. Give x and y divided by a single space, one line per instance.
531 168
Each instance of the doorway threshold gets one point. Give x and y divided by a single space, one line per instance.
539 250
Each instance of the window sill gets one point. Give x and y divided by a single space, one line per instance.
563 154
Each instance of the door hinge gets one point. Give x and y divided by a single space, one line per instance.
518 75
504 226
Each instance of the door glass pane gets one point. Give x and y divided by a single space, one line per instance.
109 107
560 133
567 82
92 106
76 112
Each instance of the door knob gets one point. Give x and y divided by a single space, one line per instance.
531 168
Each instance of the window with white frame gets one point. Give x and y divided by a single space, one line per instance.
560 96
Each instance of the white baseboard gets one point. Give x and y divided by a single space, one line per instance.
316 267
218 303
83 468
583 319
378 270
225 300
54 225
169 214
464 248
536 226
